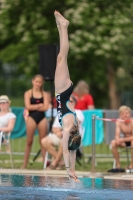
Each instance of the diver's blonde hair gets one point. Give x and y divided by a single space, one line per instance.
74 139
123 108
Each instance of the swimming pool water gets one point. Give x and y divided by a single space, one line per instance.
27 187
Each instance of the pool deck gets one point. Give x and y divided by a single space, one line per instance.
60 173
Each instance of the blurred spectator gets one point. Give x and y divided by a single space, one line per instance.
53 140
123 125
7 118
52 100
84 99
57 163
36 102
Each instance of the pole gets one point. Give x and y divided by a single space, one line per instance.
93 174
93 143
52 96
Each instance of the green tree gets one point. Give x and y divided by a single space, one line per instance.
99 30
98 34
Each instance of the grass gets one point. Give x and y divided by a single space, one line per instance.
102 166
102 163
18 144
17 102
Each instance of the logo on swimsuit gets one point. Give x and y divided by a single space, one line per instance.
59 116
59 110
59 102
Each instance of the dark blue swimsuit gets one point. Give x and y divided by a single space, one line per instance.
62 101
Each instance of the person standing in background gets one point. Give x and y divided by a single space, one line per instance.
36 101
84 99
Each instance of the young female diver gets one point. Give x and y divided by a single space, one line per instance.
63 89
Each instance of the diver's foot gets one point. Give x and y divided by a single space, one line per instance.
60 20
57 23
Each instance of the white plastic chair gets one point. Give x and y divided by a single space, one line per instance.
6 137
123 149
47 158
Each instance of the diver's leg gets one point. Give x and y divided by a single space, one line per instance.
62 79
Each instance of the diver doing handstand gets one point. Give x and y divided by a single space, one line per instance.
63 89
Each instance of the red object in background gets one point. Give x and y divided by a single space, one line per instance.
54 102
83 102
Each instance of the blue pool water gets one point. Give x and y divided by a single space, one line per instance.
27 187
